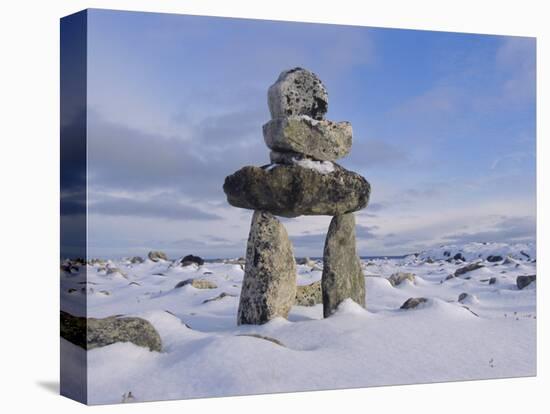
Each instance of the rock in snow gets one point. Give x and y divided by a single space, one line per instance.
524 281
269 284
342 274
412 303
156 256
90 333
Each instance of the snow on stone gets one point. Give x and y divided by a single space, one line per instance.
323 167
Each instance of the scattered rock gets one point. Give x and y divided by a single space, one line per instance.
412 303
157 256
191 259
462 296
493 259
468 268
112 270
269 284
309 295
292 190
524 281
298 92
429 260
492 280
342 274
220 296
137 260
321 140
197 284
397 278
459 257
267 338
90 333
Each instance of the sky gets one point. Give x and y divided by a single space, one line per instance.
443 129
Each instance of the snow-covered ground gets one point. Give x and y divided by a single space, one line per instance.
490 334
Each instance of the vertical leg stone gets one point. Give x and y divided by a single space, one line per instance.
342 274
269 285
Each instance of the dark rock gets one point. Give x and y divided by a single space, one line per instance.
136 260
309 295
412 303
191 259
269 284
90 333
492 280
292 190
342 274
493 259
524 281
462 296
468 268
156 256
321 140
459 257
298 92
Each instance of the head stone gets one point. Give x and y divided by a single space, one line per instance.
298 92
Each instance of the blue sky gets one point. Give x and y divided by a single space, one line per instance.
444 130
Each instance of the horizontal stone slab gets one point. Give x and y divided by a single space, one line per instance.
293 190
323 140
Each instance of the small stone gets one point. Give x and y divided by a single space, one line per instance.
492 280
412 303
468 268
189 260
342 274
493 259
219 297
197 284
462 297
321 140
136 260
524 281
292 190
90 333
309 295
269 284
397 278
298 92
157 256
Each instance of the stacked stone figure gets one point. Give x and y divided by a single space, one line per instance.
302 179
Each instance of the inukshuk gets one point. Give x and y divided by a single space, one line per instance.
302 179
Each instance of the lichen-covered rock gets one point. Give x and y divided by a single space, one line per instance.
342 274
156 256
298 92
269 284
293 190
524 281
197 284
323 140
309 295
90 333
397 278
412 303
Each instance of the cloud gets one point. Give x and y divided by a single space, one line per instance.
163 207
507 229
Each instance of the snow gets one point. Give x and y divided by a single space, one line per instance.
472 251
323 167
492 334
